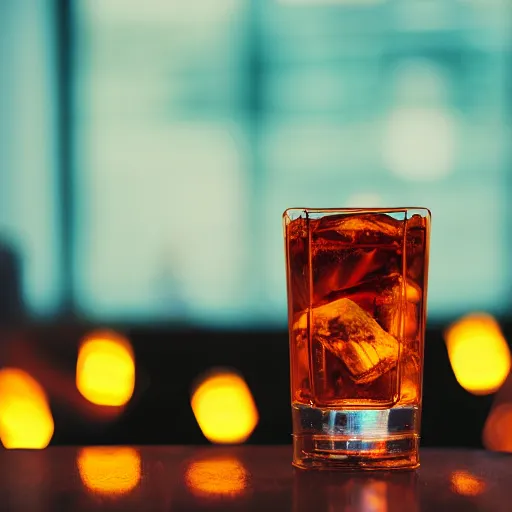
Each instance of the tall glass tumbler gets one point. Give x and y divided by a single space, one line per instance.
357 289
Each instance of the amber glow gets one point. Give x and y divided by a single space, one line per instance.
217 476
224 408
374 496
497 435
478 353
466 484
109 471
25 417
105 370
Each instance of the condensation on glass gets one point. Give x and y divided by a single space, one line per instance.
357 287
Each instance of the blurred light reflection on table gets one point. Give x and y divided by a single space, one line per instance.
243 478
352 492
217 476
109 471
467 484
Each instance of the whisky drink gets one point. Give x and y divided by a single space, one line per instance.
356 296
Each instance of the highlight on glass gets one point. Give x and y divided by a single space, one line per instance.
357 288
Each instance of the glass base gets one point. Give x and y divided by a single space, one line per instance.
356 439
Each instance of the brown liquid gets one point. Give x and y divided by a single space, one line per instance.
356 289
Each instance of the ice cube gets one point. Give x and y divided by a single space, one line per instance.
351 334
410 380
392 322
298 261
298 228
412 292
392 309
301 348
416 247
360 228
416 222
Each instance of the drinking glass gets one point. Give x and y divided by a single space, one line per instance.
357 289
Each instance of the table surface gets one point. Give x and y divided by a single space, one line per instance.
182 478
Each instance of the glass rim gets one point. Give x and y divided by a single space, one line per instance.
287 213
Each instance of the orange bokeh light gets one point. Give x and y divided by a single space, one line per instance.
224 408
497 435
109 471
105 370
478 353
221 476
25 417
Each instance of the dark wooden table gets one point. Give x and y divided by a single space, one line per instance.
243 478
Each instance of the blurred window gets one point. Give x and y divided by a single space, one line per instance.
197 123
29 199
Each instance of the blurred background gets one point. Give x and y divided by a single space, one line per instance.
147 152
